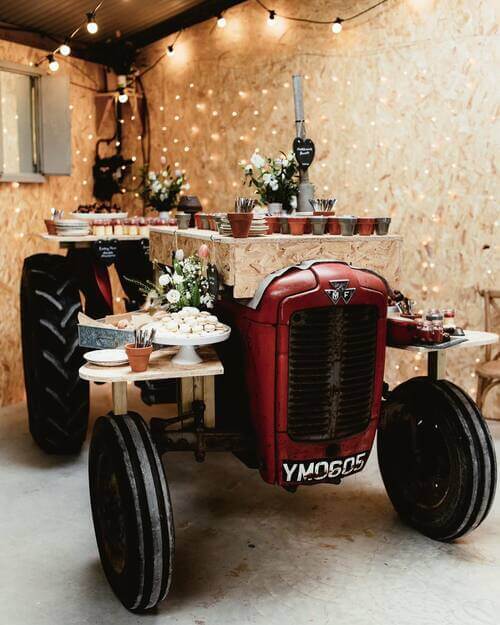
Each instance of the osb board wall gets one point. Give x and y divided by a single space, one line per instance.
24 206
401 106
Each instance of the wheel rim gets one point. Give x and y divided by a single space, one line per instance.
430 464
111 514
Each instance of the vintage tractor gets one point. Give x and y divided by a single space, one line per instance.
301 400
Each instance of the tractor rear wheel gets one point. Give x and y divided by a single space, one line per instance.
131 510
58 400
436 458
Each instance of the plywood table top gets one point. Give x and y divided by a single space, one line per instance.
160 367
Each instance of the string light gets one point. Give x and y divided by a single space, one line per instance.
53 63
92 26
65 48
337 26
221 21
271 20
122 96
170 50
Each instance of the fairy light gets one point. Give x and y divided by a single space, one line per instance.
221 21
272 19
122 96
170 50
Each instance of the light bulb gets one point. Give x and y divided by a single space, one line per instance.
65 48
53 64
272 19
122 96
337 26
92 24
170 50
221 21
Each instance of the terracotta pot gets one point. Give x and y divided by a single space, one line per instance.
318 224
204 222
273 224
197 220
333 225
240 224
382 225
297 225
138 357
284 224
212 224
365 226
51 226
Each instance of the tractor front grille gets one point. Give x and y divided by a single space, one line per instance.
331 369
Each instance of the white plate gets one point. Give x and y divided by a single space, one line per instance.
107 357
100 216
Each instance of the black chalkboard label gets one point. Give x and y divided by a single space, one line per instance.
144 243
213 280
106 250
304 151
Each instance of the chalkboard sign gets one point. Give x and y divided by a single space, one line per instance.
106 250
144 244
304 151
213 280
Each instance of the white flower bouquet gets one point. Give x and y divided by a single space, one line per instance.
274 179
161 189
183 284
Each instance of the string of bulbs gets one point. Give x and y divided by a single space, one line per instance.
64 49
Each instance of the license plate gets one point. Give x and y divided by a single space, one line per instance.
311 471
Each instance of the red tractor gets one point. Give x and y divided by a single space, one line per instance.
301 400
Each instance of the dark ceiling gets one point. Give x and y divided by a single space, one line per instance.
45 22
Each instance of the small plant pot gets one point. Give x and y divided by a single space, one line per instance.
275 208
318 224
284 225
183 220
197 221
204 222
212 224
273 224
51 226
333 225
240 224
347 226
382 225
297 225
138 357
218 221
365 226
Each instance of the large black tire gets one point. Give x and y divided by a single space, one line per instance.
437 458
132 511
58 401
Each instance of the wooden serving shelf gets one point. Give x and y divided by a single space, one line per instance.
243 263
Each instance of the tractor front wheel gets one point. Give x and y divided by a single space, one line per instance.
131 510
436 458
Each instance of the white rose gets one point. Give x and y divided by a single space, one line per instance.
164 279
179 255
151 175
284 162
257 160
173 296
274 185
177 278
267 178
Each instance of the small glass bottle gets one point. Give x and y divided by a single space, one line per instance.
449 323
435 317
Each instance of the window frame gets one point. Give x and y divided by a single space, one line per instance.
36 74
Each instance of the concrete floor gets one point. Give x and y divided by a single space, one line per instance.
246 552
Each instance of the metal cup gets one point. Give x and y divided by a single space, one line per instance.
347 225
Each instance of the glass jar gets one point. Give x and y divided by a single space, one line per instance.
449 323
143 227
98 228
117 227
435 317
133 228
108 228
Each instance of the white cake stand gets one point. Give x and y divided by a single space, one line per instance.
187 354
